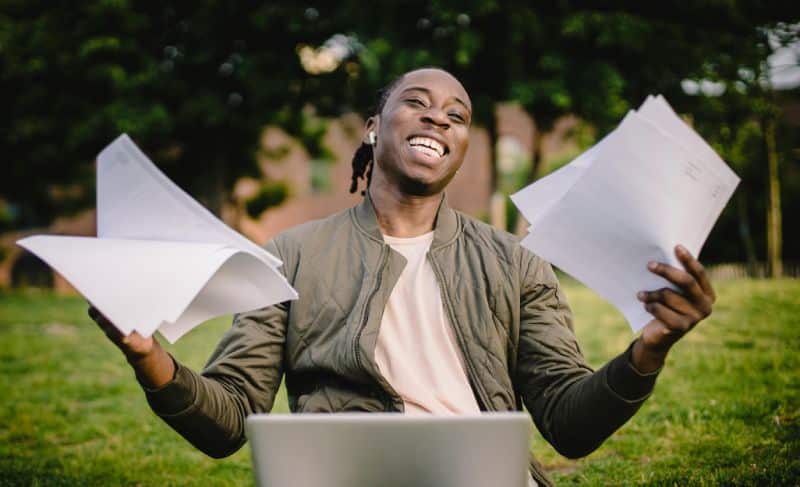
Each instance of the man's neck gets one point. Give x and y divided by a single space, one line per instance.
402 215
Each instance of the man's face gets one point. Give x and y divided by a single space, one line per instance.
423 132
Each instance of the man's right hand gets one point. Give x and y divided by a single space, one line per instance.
133 346
152 364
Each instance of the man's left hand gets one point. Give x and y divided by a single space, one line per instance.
675 312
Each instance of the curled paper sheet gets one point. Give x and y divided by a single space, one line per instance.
160 261
649 185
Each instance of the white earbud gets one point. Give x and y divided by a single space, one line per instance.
372 137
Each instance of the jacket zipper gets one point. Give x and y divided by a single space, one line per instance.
473 375
363 322
385 398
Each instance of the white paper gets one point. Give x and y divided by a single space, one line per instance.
161 261
136 200
535 199
649 185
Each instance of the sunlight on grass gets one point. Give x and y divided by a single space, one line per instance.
726 410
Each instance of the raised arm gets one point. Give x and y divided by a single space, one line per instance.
575 408
241 378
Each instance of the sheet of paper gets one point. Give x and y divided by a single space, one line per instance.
649 187
535 199
706 165
161 262
136 200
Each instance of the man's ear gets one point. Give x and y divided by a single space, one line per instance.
371 126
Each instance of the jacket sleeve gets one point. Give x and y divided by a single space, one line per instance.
241 378
574 407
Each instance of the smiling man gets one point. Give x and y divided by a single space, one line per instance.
407 305
422 136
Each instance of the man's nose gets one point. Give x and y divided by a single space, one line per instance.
436 116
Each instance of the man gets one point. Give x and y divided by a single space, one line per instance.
407 305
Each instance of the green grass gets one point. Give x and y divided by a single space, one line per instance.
726 410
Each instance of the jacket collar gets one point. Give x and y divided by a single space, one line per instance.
445 227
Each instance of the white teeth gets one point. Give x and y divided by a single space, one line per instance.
427 150
427 145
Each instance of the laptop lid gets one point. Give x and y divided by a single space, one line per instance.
390 450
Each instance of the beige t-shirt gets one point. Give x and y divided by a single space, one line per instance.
417 351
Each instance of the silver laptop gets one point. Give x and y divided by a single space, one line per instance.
390 450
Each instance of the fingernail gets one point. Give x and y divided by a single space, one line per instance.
682 249
640 295
652 265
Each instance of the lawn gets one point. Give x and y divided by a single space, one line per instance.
726 410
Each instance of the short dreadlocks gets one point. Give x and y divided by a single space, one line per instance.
363 158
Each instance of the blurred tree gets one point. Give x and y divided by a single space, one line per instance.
743 120
600 59
192 82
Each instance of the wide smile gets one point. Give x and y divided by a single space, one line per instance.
428 147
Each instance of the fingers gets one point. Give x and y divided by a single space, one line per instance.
97 316
674 322
110 330
693 281
680 278
696 269
133 345
676 302
677 312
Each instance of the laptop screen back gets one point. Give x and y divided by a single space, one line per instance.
390 450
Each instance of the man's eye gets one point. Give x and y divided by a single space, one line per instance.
416 102
458 117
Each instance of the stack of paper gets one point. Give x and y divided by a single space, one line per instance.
647 186
161 261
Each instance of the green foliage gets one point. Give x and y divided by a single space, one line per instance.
6 217
311 133
194 83
320 175
271 194
277 153
725 411
726 408
733 123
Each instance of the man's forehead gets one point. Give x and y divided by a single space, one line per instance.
434 80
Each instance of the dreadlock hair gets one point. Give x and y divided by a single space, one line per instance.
363 159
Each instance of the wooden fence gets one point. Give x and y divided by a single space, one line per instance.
738 270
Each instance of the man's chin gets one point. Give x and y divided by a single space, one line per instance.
418 186
418 179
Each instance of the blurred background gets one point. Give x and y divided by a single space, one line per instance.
256 108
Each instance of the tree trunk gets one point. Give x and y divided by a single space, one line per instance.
497 211
536 156
491 131
497 203
216 186
746 235
215 194
774 230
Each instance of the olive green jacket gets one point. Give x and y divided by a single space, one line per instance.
511 320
